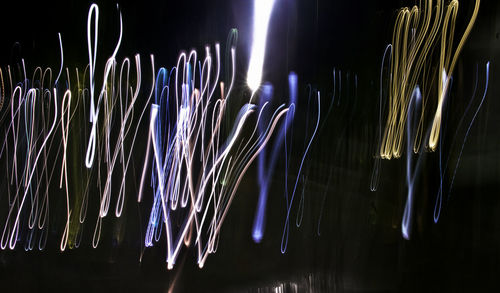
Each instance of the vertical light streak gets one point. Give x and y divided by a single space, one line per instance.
284 238
62 58
66 110
265 171
15 229
262 13
413 112
94 109
148 147
129 113
439 198
263 175
375 178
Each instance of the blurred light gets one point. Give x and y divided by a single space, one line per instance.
262 13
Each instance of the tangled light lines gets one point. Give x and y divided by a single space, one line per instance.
192 162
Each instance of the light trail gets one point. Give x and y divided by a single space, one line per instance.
193 153
439 198
265 171
284 238
415 37
412 172
262 10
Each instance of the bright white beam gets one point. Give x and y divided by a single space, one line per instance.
262 13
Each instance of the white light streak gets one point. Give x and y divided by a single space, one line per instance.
262 14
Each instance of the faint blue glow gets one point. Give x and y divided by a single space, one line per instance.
266 168
414 109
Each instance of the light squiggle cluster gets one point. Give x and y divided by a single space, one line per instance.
418 32
414 76
191 134
195 167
